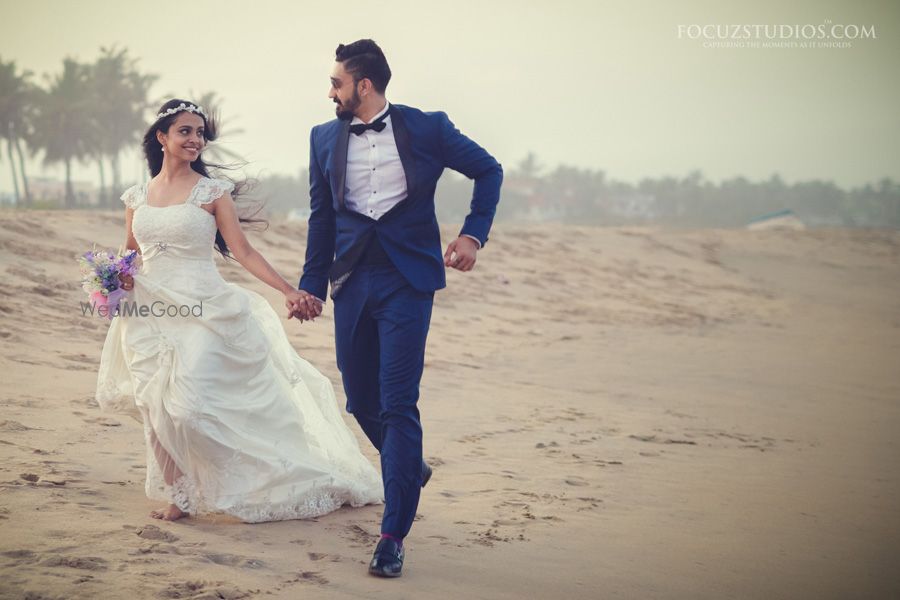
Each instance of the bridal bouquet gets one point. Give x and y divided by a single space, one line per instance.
103 275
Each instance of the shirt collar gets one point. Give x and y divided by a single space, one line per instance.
387 105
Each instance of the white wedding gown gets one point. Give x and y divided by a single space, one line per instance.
234 420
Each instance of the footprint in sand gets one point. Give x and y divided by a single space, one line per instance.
203 589
311 577
86 401
358 535
88 563
79 358
322 556
490 536
104 421
158 548
51 482
14 426
152 532
657 440
314 577
21 557
233 560
588 503
576 481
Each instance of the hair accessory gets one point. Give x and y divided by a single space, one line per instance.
181 107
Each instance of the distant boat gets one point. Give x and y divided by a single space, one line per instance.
782 219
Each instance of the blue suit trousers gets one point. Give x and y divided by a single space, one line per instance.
381 323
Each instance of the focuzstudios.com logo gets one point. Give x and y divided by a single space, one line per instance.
777 35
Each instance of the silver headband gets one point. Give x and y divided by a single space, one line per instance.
181 107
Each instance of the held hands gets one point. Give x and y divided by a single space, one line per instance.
460 254
302 305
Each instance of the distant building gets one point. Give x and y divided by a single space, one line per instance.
783 219
631 206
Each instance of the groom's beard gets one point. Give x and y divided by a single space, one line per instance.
345 112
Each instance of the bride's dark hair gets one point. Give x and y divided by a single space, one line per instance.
154 153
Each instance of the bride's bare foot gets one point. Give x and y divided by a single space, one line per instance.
169 513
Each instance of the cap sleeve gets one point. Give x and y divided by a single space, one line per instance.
210 189
133 196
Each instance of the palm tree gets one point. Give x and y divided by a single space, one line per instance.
16 95
119 100
62 126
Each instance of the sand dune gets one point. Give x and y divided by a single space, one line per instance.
615 413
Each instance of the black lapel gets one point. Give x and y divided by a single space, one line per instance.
340 161
401 138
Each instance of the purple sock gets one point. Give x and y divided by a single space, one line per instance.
393 537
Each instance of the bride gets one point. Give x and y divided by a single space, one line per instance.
234 420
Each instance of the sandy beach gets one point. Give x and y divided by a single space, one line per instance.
611 413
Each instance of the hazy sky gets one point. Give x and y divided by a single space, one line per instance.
594 84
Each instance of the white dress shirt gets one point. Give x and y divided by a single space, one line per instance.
375 180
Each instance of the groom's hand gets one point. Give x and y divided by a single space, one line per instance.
293 302
302 305
460 254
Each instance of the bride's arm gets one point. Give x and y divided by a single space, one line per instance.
241 250
130 242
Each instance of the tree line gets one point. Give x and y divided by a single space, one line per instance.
584 196
587 196
92 112
89 112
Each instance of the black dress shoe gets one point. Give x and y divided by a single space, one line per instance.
388 559
426 473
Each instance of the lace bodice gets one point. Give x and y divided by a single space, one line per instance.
177 239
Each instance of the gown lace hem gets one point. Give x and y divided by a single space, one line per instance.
308 506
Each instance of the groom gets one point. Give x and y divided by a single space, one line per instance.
374 237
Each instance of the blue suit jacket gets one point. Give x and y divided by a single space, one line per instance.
427 143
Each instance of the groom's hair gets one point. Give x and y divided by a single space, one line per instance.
364 60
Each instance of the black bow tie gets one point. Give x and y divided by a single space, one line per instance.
376 125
